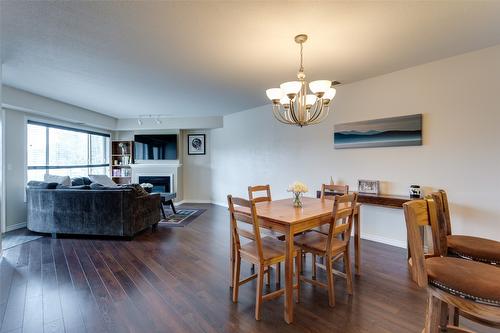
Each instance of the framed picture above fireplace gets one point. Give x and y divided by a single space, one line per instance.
196 144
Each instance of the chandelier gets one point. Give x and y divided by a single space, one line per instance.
293 105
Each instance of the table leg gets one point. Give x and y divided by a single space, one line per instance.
288 311
171 203
162 210
357 242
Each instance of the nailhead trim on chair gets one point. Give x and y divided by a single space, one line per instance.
488 261
464 295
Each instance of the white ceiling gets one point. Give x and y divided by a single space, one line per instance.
127 59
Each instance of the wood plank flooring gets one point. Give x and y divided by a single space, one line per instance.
176 280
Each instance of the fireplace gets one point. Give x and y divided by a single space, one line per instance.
162 184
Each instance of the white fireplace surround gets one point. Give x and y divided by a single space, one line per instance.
157 170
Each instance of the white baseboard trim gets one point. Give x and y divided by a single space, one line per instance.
15 226
384 240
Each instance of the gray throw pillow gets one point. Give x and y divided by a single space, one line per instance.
103 180
63 180
41 185
96 186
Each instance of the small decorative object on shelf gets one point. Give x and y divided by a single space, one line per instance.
298 189
415 191
368 186
148 187
123 147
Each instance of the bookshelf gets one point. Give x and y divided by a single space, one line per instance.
121 158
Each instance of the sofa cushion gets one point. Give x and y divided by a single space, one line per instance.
78 187
41 185
63 180
465 278
103 180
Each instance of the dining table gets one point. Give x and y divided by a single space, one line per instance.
281 216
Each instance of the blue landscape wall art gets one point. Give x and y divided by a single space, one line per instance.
387 132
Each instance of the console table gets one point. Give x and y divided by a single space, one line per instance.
384 200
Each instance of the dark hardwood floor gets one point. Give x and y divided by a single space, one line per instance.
176 280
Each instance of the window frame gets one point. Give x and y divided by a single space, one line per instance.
48 167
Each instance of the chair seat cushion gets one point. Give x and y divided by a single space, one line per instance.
476 248
317 241
271 248
469 279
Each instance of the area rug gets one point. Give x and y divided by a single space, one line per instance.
183 217
18 237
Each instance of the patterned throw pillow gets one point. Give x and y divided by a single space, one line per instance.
139 191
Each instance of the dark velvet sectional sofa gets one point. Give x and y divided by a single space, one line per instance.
87 211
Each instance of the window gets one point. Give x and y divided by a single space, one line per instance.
65 151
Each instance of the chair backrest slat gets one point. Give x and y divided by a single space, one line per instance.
417 214
246 214
443 228
335 189
342 217
446 211
259 188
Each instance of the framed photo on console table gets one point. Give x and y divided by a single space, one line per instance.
196 144
368 186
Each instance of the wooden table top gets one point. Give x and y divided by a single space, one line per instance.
282 211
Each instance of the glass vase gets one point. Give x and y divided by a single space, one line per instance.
297 199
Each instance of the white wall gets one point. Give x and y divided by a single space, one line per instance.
15 161
196 170
16 99
460 102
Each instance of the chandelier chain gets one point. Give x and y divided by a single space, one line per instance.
301 69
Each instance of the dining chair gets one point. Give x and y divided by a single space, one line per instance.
333 189
261 251
467 247
330 247
462 246
252 190
470 286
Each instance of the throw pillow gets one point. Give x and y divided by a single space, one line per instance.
63 180
78 187
41 185
96 186
77 181
103 180
139 191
